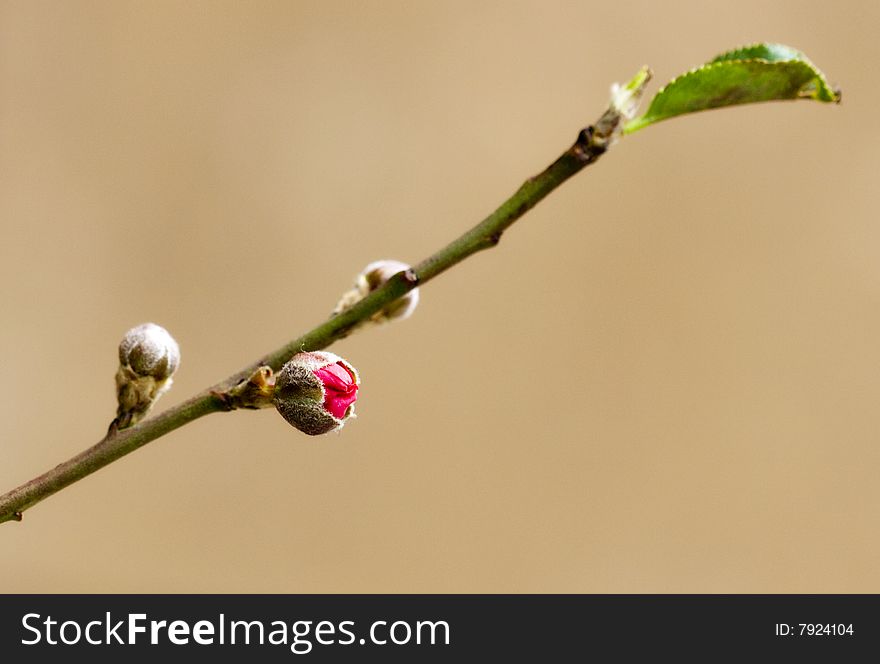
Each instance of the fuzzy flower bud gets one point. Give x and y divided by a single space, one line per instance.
316 392
148 358
372 277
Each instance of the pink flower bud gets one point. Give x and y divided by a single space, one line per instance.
316 392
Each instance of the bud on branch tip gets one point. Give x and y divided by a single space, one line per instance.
622 108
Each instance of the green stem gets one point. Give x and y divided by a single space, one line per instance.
589 146
111 448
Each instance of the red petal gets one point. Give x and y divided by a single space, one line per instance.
340 390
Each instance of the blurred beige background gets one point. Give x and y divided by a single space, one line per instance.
665 379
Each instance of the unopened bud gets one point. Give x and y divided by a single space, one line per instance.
148 358
316 392
622 109
254 392
372 277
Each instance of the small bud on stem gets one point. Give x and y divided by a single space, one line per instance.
372 277
622 108
255 392
148 358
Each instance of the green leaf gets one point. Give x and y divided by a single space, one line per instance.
755 73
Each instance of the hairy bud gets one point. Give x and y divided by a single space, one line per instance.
372 277
315 392
148 358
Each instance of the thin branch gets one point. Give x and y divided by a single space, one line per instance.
591 143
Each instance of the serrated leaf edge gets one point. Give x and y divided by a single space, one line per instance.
803 56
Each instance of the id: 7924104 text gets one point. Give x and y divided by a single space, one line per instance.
814 629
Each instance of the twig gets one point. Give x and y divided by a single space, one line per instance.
591 143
